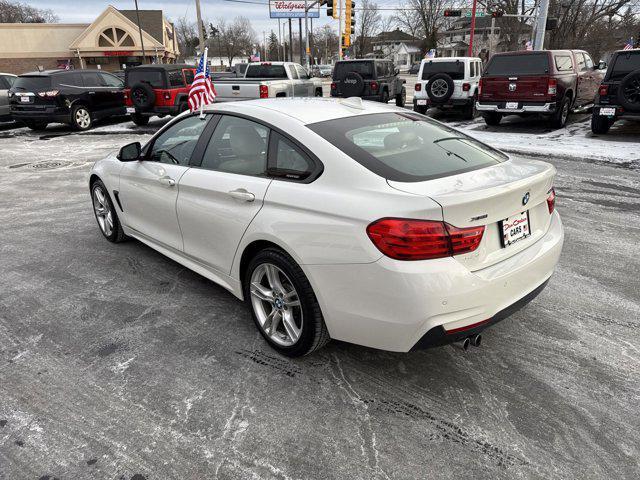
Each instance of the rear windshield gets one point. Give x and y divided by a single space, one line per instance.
454 69
155 78
406 147
624 64
266 71
513 65
365 69
32 84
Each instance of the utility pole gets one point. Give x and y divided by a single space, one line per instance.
200 29
306 33
541 25
139 31
300 38
340 32
493 29
473 27
290 42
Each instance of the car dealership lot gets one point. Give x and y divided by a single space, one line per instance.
116 361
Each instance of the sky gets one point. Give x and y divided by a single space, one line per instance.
85 11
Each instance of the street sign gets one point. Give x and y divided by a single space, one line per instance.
468 14
291 9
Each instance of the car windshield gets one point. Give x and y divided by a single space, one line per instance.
406 147
32 84
454 69
624 64
266 71
512 65
155 78
365 69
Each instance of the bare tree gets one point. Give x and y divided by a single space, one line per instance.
17 12
187 37
423 19
366 27
237 38
325 42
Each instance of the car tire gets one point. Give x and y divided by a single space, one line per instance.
81 118
492 118
36 126
140 120
184 106
436 88
599 124
143 96
421 109
559 117
401 98
470 111
105 213
318 92
304 321
385 97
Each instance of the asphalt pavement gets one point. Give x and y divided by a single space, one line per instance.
118 363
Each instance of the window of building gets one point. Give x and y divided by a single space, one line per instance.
115 37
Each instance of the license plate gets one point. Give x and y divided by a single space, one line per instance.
511 105
24 99
131 110
608 112
421 102
515 228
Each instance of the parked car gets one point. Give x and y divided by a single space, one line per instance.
415 68
6 82
76 97
323 71
373 224
159 89
370 79
119 74
269 79
448 83
619 93
547 82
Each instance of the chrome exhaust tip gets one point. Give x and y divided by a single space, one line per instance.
463 344
476 340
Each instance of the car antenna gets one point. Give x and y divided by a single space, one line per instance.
353 102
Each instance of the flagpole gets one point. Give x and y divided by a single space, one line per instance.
204 56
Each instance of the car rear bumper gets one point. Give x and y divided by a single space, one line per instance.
451 103
400 306
52 115
619 112
523 107
157 110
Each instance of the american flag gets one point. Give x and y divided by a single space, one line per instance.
629 45
202 91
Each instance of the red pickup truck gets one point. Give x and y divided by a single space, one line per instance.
546 82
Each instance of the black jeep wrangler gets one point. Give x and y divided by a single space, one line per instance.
619 94
373 79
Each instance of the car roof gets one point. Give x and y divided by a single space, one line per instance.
46 73
450 59
305 110
162 66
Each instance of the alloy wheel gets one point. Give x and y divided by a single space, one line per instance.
439 88
276 304
632 92
101 207
83 119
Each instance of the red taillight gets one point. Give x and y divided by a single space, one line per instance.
404 239
551 200
333 85
552 86
418 87
466 87
374 85
264 91
50 93
603 90
480 87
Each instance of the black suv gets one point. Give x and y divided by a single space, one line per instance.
373 79
75 97
619 92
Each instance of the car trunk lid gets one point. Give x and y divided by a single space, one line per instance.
517 76
487 197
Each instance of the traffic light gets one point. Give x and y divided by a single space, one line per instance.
332 10
552 23
497 13
452 13
350 14
346 40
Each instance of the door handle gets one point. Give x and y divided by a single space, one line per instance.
168 181
242 194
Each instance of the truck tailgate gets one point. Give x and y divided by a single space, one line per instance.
229 91
516 87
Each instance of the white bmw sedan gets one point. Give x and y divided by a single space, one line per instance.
339 219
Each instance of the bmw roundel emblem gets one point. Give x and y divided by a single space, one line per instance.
525 199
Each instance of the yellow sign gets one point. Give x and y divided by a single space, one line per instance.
336 6
347 17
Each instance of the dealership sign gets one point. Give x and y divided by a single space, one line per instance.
291 9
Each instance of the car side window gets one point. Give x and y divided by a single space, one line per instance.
472 69
73 79
4 84
175 78
290 161
90 79
188 76
581 64
110 80
564 63
176 144
588 62
292 72
302 73
237 146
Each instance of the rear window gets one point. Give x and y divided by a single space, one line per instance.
564 63
513 65
624 64
406 147
365 69
454 69
266 71
32 84
155 78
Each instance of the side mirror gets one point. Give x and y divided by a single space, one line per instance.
130 152
602 65
396 71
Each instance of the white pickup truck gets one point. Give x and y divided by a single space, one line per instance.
267 80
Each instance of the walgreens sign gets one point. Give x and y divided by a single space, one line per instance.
291 9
